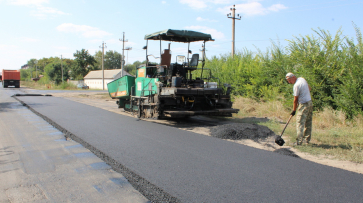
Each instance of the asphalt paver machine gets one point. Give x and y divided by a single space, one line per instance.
166 89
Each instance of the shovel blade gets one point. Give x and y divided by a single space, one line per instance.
279 141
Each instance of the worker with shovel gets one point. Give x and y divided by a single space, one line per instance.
304 107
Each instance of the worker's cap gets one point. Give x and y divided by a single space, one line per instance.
289 75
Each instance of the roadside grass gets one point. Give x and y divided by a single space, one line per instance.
44 86
65 86
333 135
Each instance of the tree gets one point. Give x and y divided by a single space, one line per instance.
84 62
98 58
32 66
54 72
32 63
132 67
68 62
112 60
42 63
24 73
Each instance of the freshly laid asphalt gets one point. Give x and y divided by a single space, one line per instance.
196 168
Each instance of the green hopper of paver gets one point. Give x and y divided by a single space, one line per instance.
121 87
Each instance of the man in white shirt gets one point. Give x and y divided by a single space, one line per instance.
304 107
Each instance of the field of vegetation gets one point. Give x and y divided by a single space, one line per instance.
332 65
46 84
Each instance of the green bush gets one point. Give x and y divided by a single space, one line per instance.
332 65
66 85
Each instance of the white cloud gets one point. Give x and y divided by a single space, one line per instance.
205 19
163 2
49 10
84 30
277 7
200 4
195 4
43 12
215 34
223 1
253 8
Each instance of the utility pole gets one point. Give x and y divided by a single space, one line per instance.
229 15
62 67
36 69
128 49
122 57
103 71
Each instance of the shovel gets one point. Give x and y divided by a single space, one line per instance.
278 139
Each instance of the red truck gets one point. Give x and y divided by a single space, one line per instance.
11 78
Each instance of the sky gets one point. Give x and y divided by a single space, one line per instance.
55 28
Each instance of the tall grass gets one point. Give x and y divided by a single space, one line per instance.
333 134
249 107
330 63
47 84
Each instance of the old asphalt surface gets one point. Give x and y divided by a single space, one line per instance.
172 165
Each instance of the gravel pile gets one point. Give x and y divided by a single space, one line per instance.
238 131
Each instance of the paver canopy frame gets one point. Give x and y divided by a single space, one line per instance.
179 36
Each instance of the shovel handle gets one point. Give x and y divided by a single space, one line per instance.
286 125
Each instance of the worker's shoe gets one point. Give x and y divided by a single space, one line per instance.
296 143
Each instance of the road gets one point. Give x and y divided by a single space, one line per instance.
37 163
168 164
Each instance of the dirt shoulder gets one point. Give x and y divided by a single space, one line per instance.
206 125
